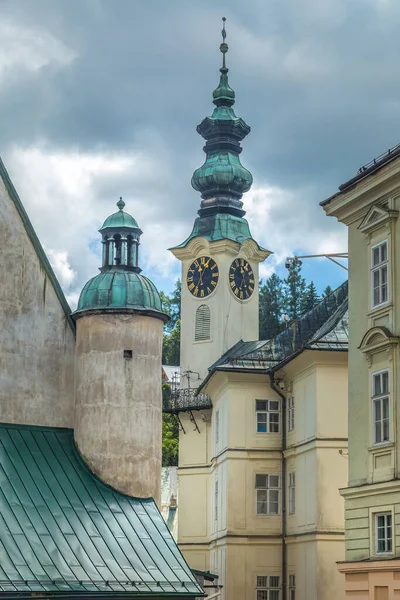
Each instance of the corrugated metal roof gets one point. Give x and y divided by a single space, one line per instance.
64 531
324 327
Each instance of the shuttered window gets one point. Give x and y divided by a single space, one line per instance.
203 324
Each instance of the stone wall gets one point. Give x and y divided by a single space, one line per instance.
118 400
36 339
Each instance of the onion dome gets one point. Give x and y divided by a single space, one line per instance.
222 180
120 286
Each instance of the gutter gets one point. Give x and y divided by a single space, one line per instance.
284 516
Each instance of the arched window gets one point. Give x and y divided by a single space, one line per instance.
203 324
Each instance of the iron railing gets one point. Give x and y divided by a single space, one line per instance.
185 400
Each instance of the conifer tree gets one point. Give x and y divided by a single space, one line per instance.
310 298
271 307
294 287
328 290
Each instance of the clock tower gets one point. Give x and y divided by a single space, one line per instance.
220 258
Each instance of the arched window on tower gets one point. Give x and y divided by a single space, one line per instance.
202 329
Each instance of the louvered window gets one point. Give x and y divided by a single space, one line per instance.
203 324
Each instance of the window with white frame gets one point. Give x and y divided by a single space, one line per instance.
292 493
267 416
384 536
267 494
217 427
380 407
292 587
379 274
290 413
216 500
268 587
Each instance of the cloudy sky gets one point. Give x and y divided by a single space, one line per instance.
101 98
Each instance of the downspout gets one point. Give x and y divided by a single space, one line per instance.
284 527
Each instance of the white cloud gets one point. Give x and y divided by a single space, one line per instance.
30 49
59 261
64 195
284 222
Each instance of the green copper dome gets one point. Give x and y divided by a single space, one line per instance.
120 287
120 219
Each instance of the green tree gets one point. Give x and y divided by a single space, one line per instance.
272 301
328 290
170 433
294 289
310 298
172 345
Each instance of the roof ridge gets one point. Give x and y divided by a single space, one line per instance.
44 261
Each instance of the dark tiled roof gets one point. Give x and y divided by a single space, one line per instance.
63 531
324 327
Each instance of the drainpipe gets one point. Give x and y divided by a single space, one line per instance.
284 559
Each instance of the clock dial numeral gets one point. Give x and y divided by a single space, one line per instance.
202 277
241 279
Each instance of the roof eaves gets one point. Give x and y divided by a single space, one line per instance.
36 244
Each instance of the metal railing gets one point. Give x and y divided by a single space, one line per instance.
186 399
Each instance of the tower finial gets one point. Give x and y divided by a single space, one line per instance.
120 203
224 46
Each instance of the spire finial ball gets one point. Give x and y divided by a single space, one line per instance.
120 204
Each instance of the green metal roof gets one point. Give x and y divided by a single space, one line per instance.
220 226
44 261
64 531
118 287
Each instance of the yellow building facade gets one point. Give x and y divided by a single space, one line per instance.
369 204
259 472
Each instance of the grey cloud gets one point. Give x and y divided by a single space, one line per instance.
317 82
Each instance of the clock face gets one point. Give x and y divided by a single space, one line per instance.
241 279
202 277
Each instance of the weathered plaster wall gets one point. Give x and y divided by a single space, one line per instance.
118 400
36 341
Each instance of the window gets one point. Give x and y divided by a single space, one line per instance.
292 587
268 416
202 326
217 427
292 493
379 274
267 494
216 501
290 413
380 407
383 533
268 587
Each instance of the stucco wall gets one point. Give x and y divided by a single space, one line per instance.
36 341
118 400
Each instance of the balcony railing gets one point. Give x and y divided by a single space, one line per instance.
185 400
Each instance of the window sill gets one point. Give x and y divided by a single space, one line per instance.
381 446
381 308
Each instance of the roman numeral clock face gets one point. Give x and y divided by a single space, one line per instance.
202 277
241 279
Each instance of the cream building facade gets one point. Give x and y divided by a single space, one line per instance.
368 204
260 470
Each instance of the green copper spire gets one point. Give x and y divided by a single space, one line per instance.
222 180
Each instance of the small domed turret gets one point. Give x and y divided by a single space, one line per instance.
119 322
